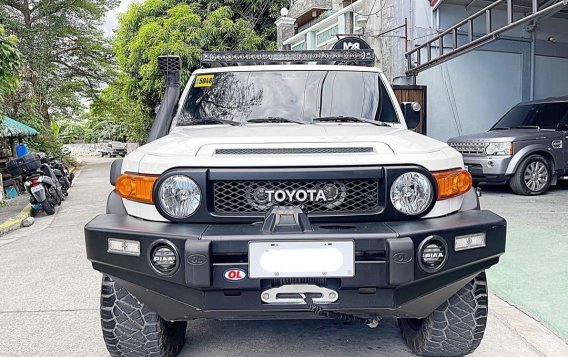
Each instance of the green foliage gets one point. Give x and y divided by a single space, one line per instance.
10 61
159 27
113 116
261 14
66 58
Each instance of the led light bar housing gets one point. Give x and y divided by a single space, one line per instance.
350 57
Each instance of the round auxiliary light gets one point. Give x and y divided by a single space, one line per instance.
411 193
179 196
432 254
164 258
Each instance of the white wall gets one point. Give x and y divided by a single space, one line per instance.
468 94
92 149
552 77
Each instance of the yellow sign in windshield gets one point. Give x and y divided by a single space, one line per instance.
204 81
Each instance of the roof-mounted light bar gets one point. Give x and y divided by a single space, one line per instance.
358 57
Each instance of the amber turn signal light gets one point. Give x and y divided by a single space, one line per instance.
136 187
452 183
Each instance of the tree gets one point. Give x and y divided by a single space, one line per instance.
113 115
159 27
66 56
261 14
10 60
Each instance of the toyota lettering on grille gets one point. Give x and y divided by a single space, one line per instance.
299 195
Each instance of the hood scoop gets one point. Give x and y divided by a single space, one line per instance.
294 151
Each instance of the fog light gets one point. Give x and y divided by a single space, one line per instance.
164 258
469 241
432 254
123 246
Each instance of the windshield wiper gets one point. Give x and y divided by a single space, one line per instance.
351 119
212 120
275 120
500 128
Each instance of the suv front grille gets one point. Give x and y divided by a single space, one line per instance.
351 196
471 147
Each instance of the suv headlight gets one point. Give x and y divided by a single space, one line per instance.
499 149
179 196
411 193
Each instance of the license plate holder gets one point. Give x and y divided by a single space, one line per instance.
301 259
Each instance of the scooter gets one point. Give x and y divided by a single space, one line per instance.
44 190
39 180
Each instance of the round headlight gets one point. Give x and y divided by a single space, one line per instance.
411 193
179 196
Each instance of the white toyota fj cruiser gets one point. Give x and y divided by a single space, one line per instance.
291 191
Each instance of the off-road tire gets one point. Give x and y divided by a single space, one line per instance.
517 182
455 328
47 207
131 329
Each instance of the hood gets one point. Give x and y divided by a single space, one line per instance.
291 145
508 135
193 140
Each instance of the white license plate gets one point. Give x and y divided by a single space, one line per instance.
37 188
331 259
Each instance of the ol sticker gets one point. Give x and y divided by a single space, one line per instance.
204 81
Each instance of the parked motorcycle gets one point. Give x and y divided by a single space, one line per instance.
61 172
39 180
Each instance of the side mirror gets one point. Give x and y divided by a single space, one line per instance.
411 112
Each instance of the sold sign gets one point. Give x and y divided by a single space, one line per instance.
235 274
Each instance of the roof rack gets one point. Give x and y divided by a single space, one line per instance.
337 57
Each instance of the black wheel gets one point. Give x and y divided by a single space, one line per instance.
47 207
131 329
533 176
455 328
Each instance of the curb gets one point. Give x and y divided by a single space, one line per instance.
15 223
543 340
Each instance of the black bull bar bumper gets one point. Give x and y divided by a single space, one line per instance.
388 279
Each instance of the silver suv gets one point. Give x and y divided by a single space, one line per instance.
526 148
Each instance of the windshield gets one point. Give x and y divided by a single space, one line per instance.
543 116
285 96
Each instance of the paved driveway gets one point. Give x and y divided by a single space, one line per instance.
49 298
533 274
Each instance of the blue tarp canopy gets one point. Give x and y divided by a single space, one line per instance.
10 128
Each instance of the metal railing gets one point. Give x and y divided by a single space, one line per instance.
417 61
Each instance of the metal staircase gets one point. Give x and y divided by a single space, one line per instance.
449 43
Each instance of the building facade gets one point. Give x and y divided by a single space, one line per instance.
466 94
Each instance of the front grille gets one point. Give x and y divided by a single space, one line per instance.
352 196
469 147
293 151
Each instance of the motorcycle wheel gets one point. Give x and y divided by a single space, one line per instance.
47 207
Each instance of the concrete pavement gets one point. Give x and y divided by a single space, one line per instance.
533 273
49 298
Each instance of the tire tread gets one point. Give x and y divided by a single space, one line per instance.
131 329
456 327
